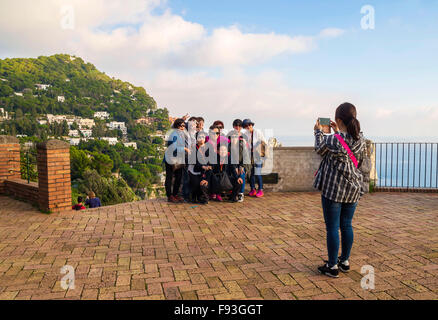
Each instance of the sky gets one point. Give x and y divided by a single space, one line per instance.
281 63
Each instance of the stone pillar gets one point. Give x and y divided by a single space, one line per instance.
54 181
367 167
9 160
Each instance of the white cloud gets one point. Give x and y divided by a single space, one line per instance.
263 97
129 29
331 33
190 69
383 113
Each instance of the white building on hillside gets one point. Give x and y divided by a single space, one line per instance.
113 125
130 144
112 141
75 141
4 114
71 119
87 133
73 133
86 123
58 118
101 115
61 99
41 86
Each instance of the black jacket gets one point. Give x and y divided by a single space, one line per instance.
230 169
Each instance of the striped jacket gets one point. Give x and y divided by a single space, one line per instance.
337 177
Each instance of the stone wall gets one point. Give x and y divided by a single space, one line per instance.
9 160
20 189
296 167
53 191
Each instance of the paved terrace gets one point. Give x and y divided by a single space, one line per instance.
262 249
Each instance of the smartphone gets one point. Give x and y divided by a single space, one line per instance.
325 123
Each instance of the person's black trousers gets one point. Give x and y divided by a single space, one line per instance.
199 192
168 183
236 187
216 188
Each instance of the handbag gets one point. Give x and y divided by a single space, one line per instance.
263 149
223 181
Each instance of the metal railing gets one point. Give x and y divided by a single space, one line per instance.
28 164
405 165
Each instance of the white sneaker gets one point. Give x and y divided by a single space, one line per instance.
240 197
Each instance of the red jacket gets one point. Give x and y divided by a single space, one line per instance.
78 207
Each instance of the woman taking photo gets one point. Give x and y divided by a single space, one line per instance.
340 182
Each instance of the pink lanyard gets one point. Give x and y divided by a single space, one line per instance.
350 154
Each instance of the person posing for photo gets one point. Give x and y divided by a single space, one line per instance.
256 142
225 176
174 164
239 151
340 182
199 172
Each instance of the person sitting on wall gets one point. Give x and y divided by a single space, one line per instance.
79 205
92 201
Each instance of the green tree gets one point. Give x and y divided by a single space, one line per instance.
79 161
109 190
102 163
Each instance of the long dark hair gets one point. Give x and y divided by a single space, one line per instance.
347 113
178 122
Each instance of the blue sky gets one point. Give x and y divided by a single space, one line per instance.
281 63
403 45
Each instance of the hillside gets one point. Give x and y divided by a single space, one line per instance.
85 88
115 128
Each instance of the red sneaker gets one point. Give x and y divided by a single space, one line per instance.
178 199
260 194
172 199
252 193
218 198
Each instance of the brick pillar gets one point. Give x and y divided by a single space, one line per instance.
9 160
54 182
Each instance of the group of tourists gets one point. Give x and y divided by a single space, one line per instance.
204 166
213 165
216 164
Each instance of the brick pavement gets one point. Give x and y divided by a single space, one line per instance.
262 249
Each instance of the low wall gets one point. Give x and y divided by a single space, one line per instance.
20 189
52 193
296 167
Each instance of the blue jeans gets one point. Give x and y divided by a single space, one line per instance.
242 190
338 215
256 174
